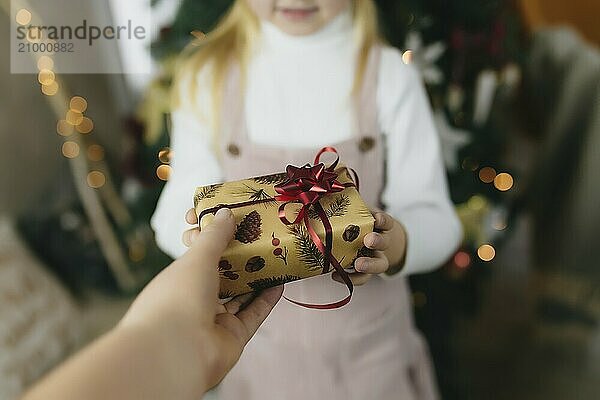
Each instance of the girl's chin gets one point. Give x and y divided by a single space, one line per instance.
298 28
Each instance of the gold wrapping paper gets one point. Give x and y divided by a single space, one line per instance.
265 252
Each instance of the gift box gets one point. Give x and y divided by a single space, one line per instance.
305 222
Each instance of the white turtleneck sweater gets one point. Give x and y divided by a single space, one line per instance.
298 92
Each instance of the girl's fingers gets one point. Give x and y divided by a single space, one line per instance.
377 241
191 217
356 278
190 236
383 221
376 265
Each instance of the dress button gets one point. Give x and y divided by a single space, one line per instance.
233 149
366 144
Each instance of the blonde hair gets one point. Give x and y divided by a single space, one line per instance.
231 42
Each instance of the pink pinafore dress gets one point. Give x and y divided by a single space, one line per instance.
368 349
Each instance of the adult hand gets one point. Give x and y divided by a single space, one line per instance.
176 341
182 301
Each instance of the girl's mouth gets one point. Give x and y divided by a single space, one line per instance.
297 14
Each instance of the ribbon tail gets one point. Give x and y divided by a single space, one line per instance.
329 258
328 235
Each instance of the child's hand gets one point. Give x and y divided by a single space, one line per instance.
389 243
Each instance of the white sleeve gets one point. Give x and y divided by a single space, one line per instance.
416 191
193 164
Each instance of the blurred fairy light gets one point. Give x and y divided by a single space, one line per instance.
74 118
34 34
487 174
45 63
78 104
51 89
64 128
407 57
462 259
470 164
96 179
476 203
486 252
137 252
503 182
23 17
499 224
85 126
163 172
95 153
164 156
46 77
70 149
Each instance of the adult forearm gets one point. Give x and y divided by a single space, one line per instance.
127 363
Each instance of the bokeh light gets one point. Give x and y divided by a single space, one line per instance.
487 174
407 57
34 35
64 128
163 172
95 153
23 17
85 126
78 104
45 62
500 224
469 164
70 149
476 203
46 77
96 179
462 259
165 155
137 252
504 182
486 252
51 89
74 118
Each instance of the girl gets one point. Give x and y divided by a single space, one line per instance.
273 83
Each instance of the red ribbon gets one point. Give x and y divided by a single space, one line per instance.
307 185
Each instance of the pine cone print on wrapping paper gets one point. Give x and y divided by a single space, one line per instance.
249 230
363 252
351 233
225 265
255 264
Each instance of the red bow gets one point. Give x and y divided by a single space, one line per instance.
307 185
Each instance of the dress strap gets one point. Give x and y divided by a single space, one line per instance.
232 125
366 101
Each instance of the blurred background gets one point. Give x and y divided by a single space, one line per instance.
515 87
